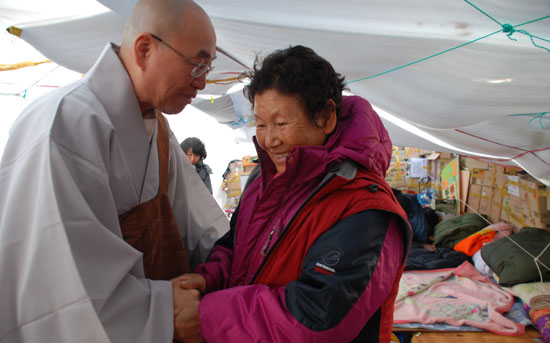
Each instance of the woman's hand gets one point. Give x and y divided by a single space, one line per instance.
191 281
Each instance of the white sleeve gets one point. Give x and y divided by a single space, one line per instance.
67 275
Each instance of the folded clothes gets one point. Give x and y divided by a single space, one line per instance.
534 294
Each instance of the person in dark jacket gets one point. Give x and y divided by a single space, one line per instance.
196 153
318 243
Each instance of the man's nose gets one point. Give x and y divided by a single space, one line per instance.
199 82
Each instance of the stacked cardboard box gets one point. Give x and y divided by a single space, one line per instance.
503 194
485 200
535 203
233 179
396 175
237 176
474 198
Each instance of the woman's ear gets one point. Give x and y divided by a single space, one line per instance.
330 122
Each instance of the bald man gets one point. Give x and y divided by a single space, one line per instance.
99 207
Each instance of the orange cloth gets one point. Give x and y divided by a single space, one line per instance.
471 244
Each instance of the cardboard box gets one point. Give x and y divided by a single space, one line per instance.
485 200
511 211
474 197
496 206
249 160
506 207
512 185
488 178
233 182
471 163
500 180
534 202
396 175
248 168
476 177
411 152
517 213
446 155
464 185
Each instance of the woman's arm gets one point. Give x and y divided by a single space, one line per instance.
346 276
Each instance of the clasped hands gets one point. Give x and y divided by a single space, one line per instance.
186 291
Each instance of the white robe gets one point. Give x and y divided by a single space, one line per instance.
76 159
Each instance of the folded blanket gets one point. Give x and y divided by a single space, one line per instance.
541 319
451 231
536 301
534 294
460 296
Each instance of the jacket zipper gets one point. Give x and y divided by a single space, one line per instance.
264 252
267 250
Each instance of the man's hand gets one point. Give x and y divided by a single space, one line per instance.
192 281
186 313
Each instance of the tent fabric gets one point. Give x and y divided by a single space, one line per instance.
488 98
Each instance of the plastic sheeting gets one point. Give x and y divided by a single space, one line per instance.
480 97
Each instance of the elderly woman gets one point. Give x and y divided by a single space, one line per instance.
318 243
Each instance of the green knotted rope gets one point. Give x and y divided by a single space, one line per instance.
506 28
510 29
536 115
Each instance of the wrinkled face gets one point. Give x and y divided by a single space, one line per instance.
192 157
172 86
282 124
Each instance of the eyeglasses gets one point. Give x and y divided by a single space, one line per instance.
199 69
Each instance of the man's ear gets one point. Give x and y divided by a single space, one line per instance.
330 122
143 45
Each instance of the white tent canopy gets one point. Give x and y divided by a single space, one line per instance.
444 69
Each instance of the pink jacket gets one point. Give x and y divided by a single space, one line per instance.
339 308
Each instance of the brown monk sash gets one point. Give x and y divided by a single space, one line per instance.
151 226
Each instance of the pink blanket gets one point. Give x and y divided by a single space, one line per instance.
460 296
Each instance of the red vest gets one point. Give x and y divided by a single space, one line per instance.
336 201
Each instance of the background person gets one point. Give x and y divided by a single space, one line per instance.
318 243
93 185
195 151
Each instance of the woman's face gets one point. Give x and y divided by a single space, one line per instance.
192 157
282 124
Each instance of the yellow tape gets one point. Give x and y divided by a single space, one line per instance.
15 31
14 66
234 193
231 79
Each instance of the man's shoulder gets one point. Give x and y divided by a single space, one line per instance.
65 114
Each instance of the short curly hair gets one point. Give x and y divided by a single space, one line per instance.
298 71
196 145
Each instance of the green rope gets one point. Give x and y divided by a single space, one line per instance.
506 28
538 115
482 11
509 29
422 59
